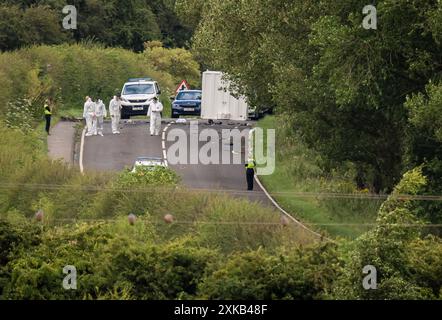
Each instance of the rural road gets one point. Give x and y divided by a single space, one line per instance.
115 152
61 142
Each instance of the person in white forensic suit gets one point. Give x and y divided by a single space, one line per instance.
115 113
89 115
101 113
155 109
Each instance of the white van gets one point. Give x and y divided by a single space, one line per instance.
136 96
217 101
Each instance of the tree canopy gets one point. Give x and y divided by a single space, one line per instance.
341 87
126 24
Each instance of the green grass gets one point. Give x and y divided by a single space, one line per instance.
71 112
298 170
167 104
214 221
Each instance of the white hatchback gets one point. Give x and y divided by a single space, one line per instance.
148 162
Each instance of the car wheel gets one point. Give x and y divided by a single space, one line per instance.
175 116
125 116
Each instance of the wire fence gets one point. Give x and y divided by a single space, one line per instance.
282 222
159 189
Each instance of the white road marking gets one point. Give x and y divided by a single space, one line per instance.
82 150
299 223
163 145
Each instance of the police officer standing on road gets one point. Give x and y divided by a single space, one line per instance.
48 115
250 173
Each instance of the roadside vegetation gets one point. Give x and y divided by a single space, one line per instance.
214 247
218 248
85 222
339 88
114 23
356 108
68 73
304 188
357 112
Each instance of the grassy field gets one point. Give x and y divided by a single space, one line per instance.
298 171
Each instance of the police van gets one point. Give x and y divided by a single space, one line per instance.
136 96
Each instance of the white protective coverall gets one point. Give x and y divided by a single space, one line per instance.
101 113
155 109
91 119
115 113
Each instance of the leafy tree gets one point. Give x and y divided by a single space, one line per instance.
117 23
11 28
425 260
35 25
174 33
42 25
190 12
178 62
387 248
425 144
340 86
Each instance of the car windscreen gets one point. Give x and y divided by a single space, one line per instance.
189 96
149 163
139 89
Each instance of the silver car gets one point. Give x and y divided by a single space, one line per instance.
148 162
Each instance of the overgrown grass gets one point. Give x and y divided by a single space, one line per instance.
71 112
68 73
35 182
298 170
216 248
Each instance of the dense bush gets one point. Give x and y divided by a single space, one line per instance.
70 72
425 145
117 260
300 274
393 247
217 247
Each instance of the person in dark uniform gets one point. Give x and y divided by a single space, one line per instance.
250 174
48 115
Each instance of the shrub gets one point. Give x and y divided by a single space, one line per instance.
300 274
387 248
70 72
112 259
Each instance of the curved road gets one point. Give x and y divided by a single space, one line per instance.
115 152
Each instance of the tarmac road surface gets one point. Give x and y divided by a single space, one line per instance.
115 152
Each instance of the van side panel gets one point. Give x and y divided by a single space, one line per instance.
217 101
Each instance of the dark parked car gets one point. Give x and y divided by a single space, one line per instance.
187 103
